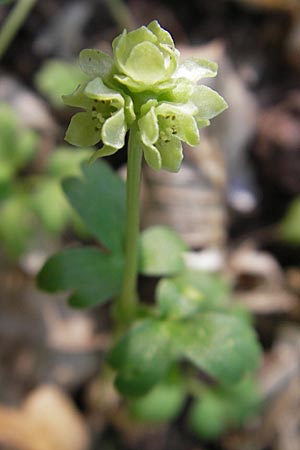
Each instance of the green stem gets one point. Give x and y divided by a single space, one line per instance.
14 22
121 14
126 302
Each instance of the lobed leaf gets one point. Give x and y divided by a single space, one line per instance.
142 357
92 276
222 345
161 251
99 199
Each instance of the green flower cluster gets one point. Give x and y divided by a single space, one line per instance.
143 82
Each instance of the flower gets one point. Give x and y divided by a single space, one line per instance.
145 57
143 82
107 117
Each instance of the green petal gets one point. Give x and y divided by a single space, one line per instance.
171 154
148 126
208 101
78 98
146 63
181 92
134 86
194 69
183 121
124 43
97 90
83 130
114 130
162 35
129 110
103 151
152 157
95 63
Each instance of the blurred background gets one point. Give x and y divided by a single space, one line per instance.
241 194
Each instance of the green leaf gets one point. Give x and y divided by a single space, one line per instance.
289 228
224 407
56 78
95 63
92 276
15 224
99 199
190 293
66 161
162 404
222 345
161 251
142 357
50 204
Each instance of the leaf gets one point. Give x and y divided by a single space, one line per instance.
142 357
289 228
16 224
57 77
224 407
162 404
161 251
50 204
99 199
92 276
222 345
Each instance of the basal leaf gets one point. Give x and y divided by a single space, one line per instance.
191 292
99 199
91 276
142 358
163 403
224 407
161 251
222 345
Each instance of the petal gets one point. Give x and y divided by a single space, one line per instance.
171 154
179 120
129 110
84 130
124 43
152 156
181 91
103 151
171 58
162 35
208 102
194 69
97 90
78 98
114 130
146 63
95 63
167 108
148 127
134 86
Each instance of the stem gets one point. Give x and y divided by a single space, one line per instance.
14 22
126 302
121 14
